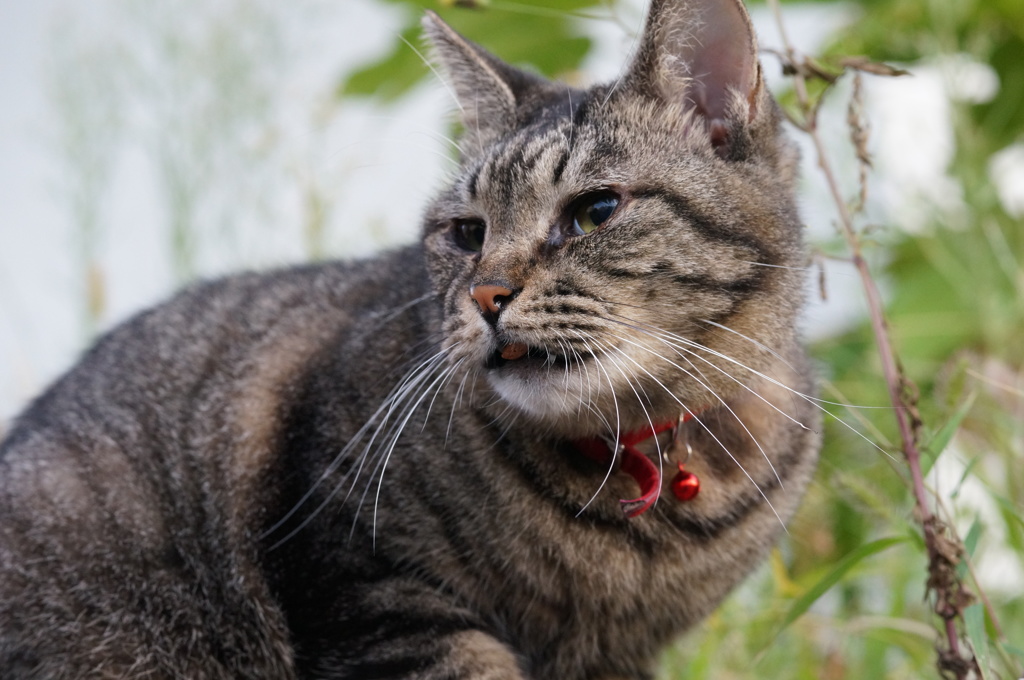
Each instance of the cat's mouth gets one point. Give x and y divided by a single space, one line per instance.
521 354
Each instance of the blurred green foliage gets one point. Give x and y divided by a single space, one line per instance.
529 33
956 313
844 596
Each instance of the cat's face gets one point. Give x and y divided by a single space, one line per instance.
612 256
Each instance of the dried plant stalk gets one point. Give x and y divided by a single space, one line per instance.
945 550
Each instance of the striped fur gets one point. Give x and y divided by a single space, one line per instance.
333 472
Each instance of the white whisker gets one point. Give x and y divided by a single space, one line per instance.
441 78
777 266
814 401
707 387
397 395
618 425
760 345
456 404
647 415
721 444
661 336
440 382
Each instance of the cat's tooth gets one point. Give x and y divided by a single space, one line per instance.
513 351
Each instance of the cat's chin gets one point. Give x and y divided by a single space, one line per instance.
572 403
555 401
537 393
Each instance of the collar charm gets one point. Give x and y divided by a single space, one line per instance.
685 484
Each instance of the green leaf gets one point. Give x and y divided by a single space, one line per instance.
934 448
974 622
970 545
1011 512
963 478
392 76
971 540
852 559
530 34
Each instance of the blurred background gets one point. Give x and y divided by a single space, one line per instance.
147 143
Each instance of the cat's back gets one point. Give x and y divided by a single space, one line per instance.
147 466
170 368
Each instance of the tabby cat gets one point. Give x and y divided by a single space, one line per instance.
413 466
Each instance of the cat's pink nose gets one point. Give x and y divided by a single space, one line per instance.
491 297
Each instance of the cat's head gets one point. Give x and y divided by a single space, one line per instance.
624 252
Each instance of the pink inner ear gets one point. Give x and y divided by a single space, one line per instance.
701 52
722 57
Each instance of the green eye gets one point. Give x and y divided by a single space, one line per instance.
593 212
469 235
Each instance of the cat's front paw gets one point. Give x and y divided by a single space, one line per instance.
478 656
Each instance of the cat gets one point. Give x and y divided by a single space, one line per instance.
541 443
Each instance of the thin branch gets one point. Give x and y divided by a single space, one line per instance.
944 550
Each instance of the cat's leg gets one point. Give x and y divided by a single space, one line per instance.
478 656
421 655
394 628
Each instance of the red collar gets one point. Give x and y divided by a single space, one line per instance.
634 463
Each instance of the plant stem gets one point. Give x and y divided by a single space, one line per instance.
942 579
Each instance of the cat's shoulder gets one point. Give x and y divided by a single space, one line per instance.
220 333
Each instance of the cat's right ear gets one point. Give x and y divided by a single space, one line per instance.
488 92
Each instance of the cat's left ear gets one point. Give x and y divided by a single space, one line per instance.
489 92
703 55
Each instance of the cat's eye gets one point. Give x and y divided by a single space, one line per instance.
469 235
593 211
